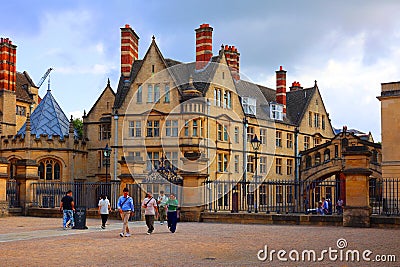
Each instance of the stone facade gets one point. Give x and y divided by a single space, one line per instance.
390 125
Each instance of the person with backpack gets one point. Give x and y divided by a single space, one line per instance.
126 209
149 205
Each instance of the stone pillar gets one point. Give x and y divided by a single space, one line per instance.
192 202
26 174
357 210
3 186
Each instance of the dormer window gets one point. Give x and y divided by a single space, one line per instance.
249 105
276 111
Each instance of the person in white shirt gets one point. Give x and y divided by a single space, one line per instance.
162 207
149 205
104 210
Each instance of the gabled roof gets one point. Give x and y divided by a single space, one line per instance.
297 102
108 87
180 72
48 119
183 73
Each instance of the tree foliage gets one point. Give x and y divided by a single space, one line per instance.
78 125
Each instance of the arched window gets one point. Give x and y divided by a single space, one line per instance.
57 175
41 171
49 169
327 155
317 158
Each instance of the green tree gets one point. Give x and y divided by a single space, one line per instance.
78 125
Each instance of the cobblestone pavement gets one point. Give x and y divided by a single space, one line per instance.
31 241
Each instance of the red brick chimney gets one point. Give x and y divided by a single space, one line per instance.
232 57
8 65
129 49
203 45
281 88
295 86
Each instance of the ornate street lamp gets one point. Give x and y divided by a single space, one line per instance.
106 162
255 143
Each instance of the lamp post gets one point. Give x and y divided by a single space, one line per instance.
106 162
255 143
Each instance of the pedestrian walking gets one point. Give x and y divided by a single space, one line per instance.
126 209
172 213
339 206
104 210
150 210
67 206
162 207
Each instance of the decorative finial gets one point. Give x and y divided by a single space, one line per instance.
153 37
108 82
48 85
315 83
191 80
84 113
72 118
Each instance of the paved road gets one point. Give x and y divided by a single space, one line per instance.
28 241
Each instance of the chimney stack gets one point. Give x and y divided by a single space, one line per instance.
203 45
8 65
232 57
295 86
129 49
281 88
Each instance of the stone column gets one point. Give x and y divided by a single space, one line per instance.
26 174
357 210
192 202
3 186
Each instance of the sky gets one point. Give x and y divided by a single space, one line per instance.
348 47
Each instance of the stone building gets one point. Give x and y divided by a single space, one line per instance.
35 129
390 125
200 117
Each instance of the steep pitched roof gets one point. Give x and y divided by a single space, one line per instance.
297 102
48 119
22 82
108 87
180 72
249 89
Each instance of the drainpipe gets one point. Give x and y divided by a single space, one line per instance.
245 125
114 188
115 143
296 165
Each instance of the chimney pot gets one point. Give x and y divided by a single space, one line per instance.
280 68
127 26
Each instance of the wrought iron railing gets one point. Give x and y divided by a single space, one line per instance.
12 194
385 196
278 196
49 194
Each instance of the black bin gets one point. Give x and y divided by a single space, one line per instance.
80 218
